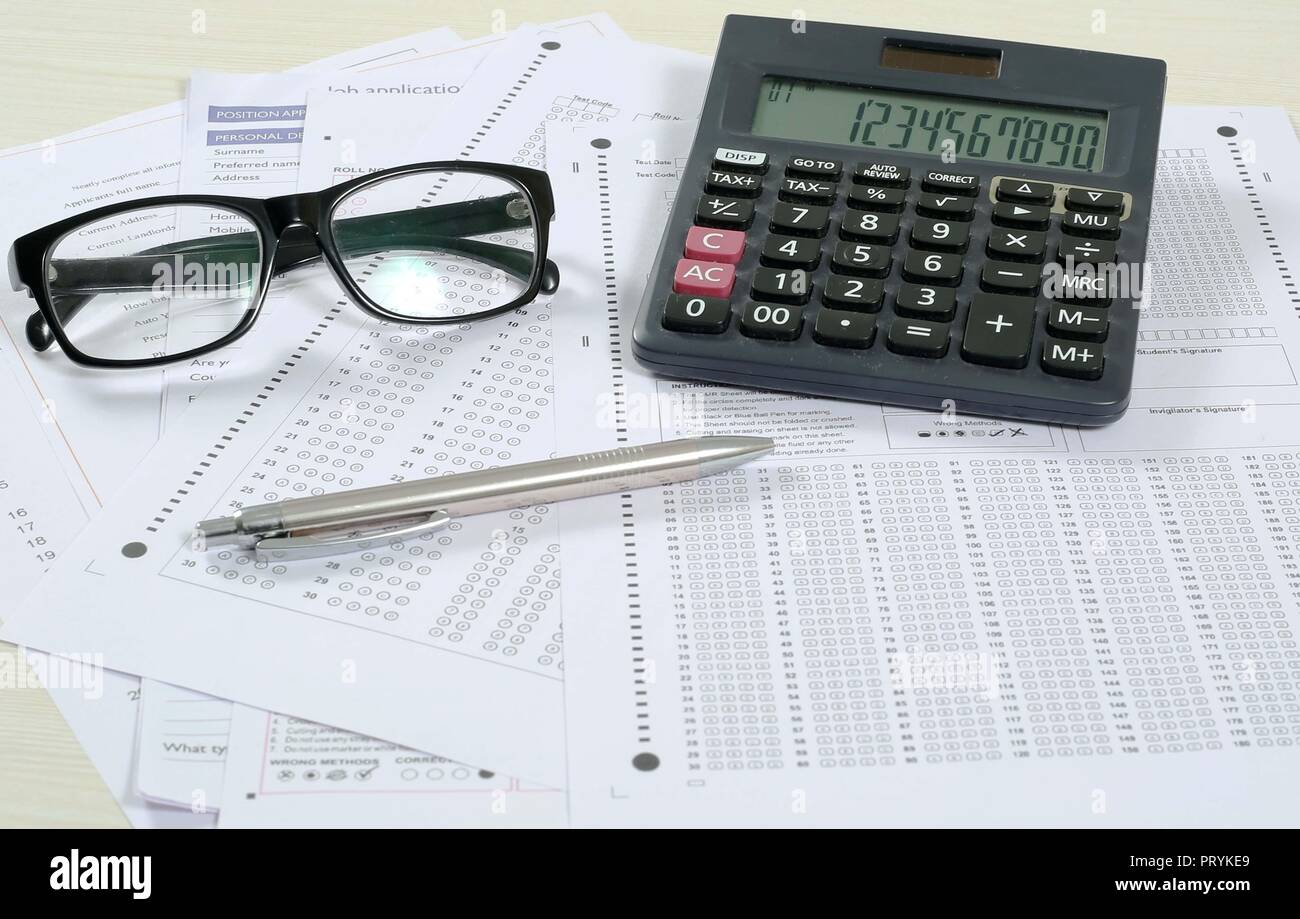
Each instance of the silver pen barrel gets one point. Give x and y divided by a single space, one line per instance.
489 490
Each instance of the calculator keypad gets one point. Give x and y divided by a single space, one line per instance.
838 233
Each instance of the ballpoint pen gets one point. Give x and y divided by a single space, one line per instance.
365 518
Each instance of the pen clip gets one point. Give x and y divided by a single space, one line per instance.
281 548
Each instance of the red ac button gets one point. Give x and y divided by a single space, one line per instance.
703 279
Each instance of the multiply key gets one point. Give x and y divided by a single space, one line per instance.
1021 245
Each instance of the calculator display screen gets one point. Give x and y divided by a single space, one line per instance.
962 129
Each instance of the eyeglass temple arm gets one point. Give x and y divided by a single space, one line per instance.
366 235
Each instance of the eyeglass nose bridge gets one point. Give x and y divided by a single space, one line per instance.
295 221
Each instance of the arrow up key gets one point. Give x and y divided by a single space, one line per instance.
1026 191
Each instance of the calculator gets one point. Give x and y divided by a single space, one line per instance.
914 219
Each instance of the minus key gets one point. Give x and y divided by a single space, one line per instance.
1014 277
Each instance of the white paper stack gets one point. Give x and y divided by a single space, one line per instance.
1053 626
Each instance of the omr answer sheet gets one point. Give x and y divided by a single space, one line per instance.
44 501
285 772
362 120
99 433
448 644
909 618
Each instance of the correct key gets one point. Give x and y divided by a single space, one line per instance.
709 315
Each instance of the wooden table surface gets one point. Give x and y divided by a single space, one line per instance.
66 64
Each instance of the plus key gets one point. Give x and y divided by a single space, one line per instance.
999 330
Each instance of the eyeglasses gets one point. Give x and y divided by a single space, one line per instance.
158 280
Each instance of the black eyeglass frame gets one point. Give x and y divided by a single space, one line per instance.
30 254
